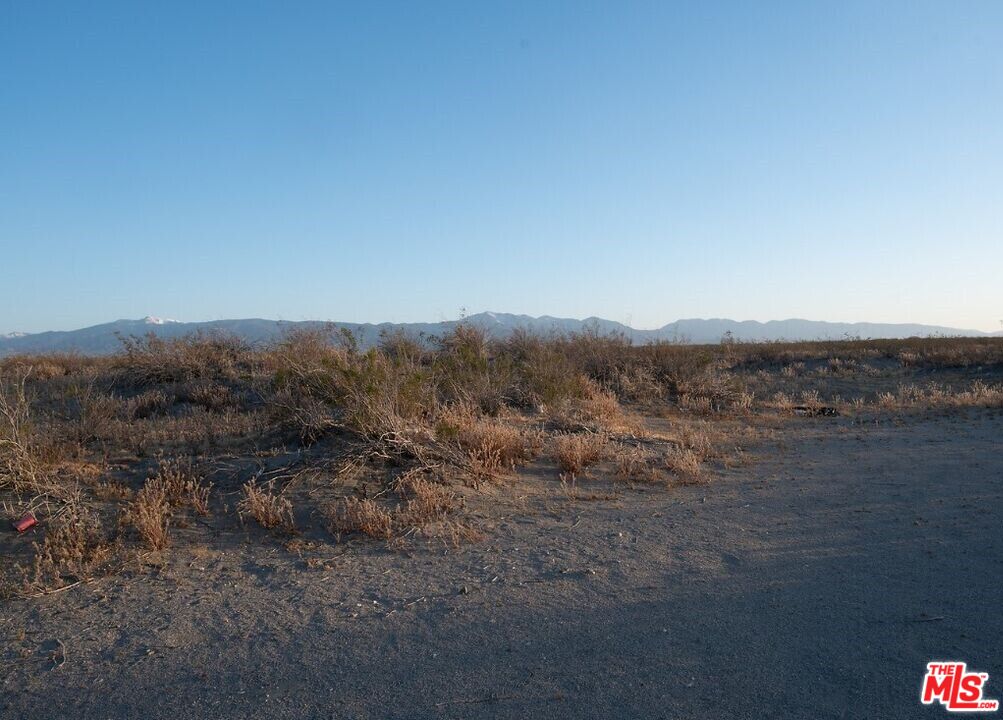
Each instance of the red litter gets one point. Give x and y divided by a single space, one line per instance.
24 523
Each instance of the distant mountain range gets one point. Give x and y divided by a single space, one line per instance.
103 339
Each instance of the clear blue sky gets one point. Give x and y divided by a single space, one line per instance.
398 161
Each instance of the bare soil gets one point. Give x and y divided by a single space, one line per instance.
815 581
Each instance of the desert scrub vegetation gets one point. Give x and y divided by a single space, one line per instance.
933 395
264 504
175 485
76 548
18 466
491 446
576 452
151 361
420 502
144 449
150 514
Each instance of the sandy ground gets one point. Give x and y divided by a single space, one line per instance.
815 582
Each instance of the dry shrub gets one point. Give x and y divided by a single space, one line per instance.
381 396
699 404
181 486
575 452
306 416
597 408
491 445
19 469
52 365
269 508
846 367
633 462
89 412
424 501
455 534
676 366
385 401
74 549
196 431
711 390
307 363
745 401
949 352
697 441
401 346
684 463
783 402
148 404
467 370
978 394
543 373
361 515
111 490
23 459
601 356
150 514
213 396
637 383
793 370
44 368
150 360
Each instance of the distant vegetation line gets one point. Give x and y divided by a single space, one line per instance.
105 338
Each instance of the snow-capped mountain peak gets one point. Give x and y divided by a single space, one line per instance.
150 320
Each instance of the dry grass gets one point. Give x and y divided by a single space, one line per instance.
633 462
422 502
176 485
596 409
456 534
19 470
181 486
361 515
108 490
270 509
150 514
425 501
978 394
576 452
696 440
148 404
74 549
601 407
492 446
684 460
77 433
684 463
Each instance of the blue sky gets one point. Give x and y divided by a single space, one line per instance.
399 161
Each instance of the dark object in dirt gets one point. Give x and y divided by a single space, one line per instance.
24 523
806 411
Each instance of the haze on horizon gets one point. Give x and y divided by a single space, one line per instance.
398 163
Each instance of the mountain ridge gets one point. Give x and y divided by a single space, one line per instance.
105 338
